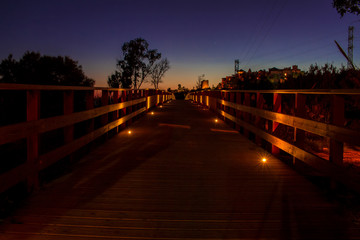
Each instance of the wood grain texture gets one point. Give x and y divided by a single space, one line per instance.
17 131
339 173
321 129
179 183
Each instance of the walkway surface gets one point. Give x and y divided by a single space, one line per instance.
179 175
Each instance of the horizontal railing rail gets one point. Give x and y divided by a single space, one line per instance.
118 108
259 113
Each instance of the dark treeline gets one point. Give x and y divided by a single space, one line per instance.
34 68
317 77
324 77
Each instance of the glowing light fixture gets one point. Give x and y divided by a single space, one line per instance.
216 120
129 132
152 113
264 160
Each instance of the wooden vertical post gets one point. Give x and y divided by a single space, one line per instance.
33 113
104 102
68 109
259 104
246 115
116 113
225 94
129 109
300 111
90 105
338 119
238 113
147 102
276 108
232 110
123 111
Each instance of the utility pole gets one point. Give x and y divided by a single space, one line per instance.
350 45
237 66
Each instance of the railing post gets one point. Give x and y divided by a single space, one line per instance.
104 102
277 109
238 113
246 115
116 113
68 109
259 104
338 118
90 105
300 111
33 113
232 110
129 109
147 102
123 110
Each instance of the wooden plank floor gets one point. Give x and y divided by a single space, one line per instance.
178 177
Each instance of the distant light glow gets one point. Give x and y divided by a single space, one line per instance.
161 106
264 160
152 113
216 120
129 132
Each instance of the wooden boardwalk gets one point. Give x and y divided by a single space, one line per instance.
179 175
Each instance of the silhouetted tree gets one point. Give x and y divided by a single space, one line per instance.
33 68
347 6
158 71
198 82
120 79
136 63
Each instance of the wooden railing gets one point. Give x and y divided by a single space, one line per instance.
258 115
85 114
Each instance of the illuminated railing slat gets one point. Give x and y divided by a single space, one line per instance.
21 130
50 158
235 106
321 129
132 104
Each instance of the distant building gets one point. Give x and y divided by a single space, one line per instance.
229 82
274 75
280 75
205 84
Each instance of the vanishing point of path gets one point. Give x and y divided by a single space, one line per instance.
179 175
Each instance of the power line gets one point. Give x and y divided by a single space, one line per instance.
268 31
256 32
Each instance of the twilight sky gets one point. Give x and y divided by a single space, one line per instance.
197 36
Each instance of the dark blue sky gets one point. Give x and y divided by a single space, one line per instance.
197 36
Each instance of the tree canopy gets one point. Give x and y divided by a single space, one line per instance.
137 63
347 6
158 72
33 68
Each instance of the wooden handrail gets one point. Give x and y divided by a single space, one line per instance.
301 91
319 128
12 86
327 168
131 104
21 130
245 109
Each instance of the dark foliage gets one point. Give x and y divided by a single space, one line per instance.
324 77
347 6
136 64
33 68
